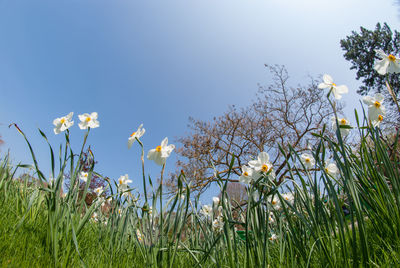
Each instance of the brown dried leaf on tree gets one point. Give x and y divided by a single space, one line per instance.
280 115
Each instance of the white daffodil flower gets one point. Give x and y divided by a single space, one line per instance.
136 135
331 169
88 120
247 175
377 121
94 217
123 182
83 176
139 235
342 122
308 160
275 202
215 200
63 123
207 211
336 90
273 237
288 197
375 106
262 163
271 218
386 63
218 224
161 152
99 190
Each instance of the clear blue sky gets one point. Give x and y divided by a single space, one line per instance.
159 62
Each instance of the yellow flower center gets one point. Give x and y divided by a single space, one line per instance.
377 104
343 121
392 58
158 148
133 133
273 202
119 211
333 85
62 121
245 174
121 181
326 170
380 118
85 175
308 160
264 168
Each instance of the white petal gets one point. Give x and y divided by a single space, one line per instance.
381 53
381 66
57 130
56 121
94 123
151 154
336 94
254 163
373 113
164 142
93 115
82 117
342 89
159 160
69 116
379 97
166 151
83 125
327 79
368 100
323 85
263 157
130 142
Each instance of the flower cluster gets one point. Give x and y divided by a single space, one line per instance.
213 213
65 122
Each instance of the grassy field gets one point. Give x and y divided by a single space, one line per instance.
338 207
348 220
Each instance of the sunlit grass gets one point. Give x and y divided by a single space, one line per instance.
341 213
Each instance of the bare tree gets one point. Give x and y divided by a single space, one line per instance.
280 115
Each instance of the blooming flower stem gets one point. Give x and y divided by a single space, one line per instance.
143 173
392 93
75 175
161 208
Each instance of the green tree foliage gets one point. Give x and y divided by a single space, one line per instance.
360 51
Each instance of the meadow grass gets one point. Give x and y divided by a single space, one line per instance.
338 214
